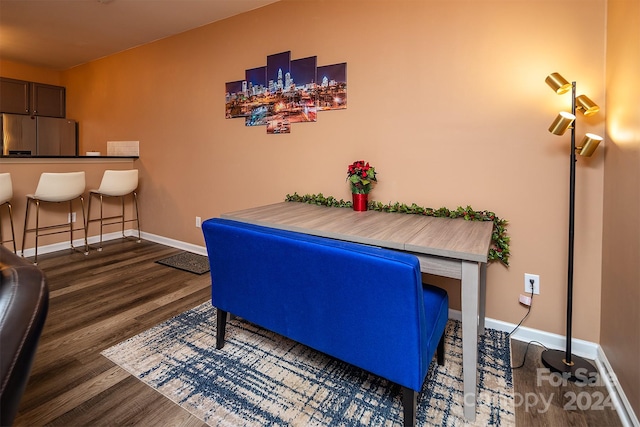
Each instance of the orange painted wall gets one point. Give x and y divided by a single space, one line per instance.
446 98
16 70
620 334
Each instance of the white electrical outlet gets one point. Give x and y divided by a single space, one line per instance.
71 217
198 222
532 283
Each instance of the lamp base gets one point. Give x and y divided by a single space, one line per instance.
579 370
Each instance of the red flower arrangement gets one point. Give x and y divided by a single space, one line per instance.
361 175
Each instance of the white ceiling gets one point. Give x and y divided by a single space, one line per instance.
61 34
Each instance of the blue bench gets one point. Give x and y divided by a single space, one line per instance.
364 305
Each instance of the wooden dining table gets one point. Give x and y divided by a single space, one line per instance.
453 248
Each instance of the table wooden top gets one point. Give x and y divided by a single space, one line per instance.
444 237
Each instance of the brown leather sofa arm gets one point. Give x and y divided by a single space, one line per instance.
24 301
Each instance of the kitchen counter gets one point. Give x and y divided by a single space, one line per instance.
17 160
67 157
25 173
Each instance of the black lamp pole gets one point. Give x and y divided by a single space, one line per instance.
571 367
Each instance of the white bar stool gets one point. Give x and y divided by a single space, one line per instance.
6 193
56 188
116 183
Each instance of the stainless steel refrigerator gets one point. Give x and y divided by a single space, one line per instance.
38 136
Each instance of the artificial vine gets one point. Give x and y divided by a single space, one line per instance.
499 250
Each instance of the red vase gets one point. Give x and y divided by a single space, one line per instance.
360 202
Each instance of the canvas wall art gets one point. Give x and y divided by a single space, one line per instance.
285 92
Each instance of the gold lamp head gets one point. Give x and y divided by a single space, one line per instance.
558 83
562 122
587 106
589 144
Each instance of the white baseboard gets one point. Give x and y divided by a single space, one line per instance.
553 341
201 250
618 398
78 243
587 349
579 347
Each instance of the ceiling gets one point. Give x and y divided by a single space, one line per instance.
61 34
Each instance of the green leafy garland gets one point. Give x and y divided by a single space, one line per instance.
499 250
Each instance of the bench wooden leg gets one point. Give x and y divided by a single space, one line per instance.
440 351
222 324
409 399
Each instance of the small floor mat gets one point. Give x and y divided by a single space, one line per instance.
187 261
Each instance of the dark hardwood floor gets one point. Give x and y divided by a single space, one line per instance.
97 301
544 399
101 299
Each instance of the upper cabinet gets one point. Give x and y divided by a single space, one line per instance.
48 100
35 99
14 96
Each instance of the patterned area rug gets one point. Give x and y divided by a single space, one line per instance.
263 379
187 261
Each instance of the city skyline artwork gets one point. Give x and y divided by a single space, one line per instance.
286 91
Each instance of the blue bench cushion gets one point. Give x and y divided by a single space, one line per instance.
364 305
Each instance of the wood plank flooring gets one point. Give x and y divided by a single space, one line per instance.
544 399
106 297
97 301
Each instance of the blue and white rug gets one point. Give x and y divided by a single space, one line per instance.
263 379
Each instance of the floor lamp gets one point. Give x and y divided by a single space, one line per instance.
571 367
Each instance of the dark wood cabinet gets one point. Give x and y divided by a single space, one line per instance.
14 96
47 100
35 99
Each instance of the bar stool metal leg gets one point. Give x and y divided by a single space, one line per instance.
71 224
6 193
135 203
36 229
88 219
13 232
35 261
56 188
24 229
115 183
101 220
84 221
